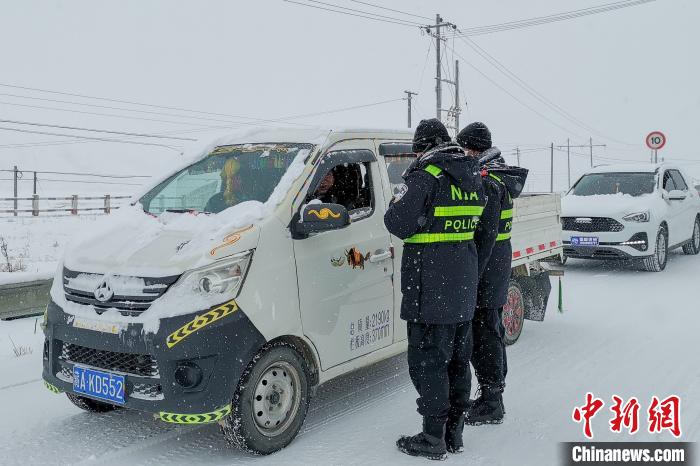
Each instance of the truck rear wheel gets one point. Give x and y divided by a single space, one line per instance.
90 405
513 313
270 404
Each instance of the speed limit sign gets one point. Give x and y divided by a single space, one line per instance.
656 140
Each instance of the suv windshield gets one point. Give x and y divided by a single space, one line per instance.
227 176
634 184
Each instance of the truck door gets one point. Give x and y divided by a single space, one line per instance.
345 288
397 157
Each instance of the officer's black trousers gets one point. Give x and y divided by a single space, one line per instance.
489 353
438 362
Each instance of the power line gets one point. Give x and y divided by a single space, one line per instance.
364 12
211 128
128 102
391 9
540 114
75 181
530 90
84 104
95 130
98 175
399 21
540 20
124 141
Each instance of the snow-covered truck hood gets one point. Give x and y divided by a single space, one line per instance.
606 205
133 243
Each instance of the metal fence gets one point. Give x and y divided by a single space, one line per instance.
105 204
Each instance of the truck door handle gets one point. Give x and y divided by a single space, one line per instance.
380 256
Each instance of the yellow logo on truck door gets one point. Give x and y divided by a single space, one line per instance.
201 321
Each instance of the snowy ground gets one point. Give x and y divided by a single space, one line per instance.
624 332
38 243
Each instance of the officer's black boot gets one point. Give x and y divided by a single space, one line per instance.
429 444
453 432
487 408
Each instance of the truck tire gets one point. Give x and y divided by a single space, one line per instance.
513 313
271 401
657 261
90 405
693 246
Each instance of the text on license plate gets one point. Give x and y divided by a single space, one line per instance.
103 385
584 241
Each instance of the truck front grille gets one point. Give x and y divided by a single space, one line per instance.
131 296
142 365
590 224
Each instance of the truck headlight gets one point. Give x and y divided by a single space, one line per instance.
224 277
637 217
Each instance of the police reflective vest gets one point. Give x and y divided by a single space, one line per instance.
455 214
505 224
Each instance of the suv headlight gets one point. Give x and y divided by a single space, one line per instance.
637 217
223 278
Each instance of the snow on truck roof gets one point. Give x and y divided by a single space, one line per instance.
629 168
312 135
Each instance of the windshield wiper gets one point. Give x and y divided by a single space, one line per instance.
182 211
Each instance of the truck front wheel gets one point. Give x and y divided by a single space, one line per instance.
271 401
513 313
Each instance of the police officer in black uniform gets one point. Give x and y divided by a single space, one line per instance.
436 214
503 184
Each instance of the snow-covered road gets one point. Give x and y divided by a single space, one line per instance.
623 332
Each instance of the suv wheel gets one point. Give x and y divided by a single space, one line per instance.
657 261
270 404
693 246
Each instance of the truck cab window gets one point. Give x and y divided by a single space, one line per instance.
348 185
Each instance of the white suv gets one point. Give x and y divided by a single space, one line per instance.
631 212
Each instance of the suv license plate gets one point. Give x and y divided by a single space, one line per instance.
584 241
98 384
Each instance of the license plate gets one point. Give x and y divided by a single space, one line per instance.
584 241
98 384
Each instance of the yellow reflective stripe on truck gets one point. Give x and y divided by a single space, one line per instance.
205 319
422 238
457 211
51 387
203 418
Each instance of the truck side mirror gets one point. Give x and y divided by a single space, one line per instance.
320 217
676 195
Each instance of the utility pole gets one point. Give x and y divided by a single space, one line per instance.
409 95
457 109
568 161
34 182
438 74
551 169
438 61
517 153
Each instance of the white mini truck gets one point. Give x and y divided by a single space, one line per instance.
249 276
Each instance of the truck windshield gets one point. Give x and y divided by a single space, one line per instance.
634 184
227 176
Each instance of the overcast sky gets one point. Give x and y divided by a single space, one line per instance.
622 73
